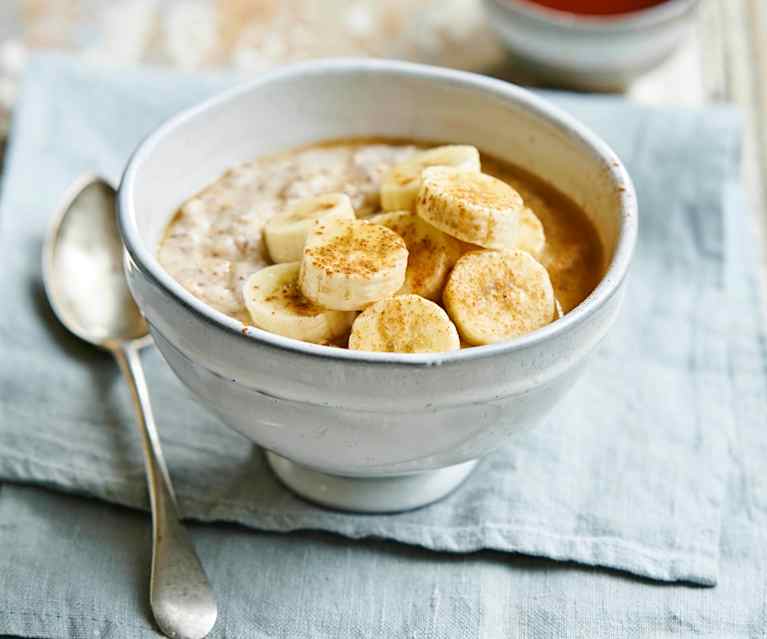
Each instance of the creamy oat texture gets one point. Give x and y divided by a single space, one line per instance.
215 241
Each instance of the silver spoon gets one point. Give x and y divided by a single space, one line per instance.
86 287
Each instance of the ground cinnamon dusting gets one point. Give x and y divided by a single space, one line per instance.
392 326
352 251
502 293
422 254
290 296
490 193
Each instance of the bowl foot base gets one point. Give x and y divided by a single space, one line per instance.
369 495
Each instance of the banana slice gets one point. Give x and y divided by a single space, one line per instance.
285 233
400 185
531 237
348 264
275 304
473 207
496 295
431 253
404 324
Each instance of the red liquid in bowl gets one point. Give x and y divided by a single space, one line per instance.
598 7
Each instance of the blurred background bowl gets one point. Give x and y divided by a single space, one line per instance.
589 52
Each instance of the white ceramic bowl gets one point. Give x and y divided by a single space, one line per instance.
590 52
370 431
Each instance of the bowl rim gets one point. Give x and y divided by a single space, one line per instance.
148 264
650 17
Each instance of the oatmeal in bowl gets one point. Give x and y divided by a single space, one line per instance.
376 271
299 242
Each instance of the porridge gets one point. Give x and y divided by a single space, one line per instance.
407 248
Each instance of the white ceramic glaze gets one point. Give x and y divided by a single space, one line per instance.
590 52
351 413
373 494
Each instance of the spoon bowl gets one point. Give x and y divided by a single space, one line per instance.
82 269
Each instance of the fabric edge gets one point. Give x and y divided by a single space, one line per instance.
698 567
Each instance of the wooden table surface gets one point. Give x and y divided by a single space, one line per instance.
724 61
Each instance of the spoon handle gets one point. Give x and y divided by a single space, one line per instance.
182 601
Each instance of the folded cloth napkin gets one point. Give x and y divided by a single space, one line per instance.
628 473
72 568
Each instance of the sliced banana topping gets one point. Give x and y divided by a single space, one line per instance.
285 233
473 207
531 237
404 324
497 295
275 304
348 264
431 253
400 185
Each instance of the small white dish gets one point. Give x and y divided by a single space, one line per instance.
590 52
372 432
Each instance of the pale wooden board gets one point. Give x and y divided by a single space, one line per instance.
725 60
742 26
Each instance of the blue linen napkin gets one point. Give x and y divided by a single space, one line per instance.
629 473
73 568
